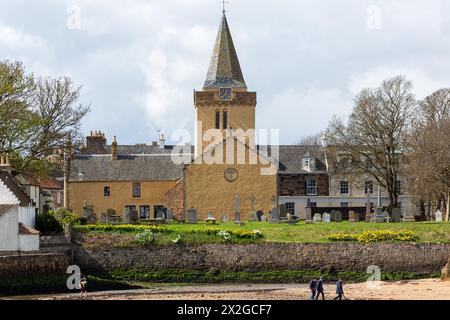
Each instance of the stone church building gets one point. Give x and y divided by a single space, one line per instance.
145 178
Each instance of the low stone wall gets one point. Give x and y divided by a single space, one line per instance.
417 258
32 264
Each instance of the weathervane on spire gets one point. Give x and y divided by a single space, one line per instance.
223 4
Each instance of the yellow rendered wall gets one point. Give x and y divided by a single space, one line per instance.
152 193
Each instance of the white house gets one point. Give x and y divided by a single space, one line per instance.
16 217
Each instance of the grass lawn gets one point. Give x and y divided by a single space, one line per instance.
428 232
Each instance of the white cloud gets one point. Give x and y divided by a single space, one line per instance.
11 38
424 84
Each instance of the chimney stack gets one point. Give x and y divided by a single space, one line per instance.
114 149
96 143
5 164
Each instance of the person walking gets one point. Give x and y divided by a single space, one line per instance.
83 287
319 289
312 287
339 289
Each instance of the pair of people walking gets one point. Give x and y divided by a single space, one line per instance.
316 287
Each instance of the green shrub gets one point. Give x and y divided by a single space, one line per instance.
47 223
64 216
375 236
145 238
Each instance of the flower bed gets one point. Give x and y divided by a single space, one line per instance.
375 236
126 228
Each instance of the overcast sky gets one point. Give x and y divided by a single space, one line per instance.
139 60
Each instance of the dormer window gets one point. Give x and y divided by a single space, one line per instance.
308 162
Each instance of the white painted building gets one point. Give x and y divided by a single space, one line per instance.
17 217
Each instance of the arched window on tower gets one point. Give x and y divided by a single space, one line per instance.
225 119
217 119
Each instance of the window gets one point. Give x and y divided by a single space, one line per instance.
290 208
144 212
313 204
311 187
128 209
106 191
217 119
344 204
136 189
368 187
225 119
344 187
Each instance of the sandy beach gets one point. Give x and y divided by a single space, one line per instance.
427 289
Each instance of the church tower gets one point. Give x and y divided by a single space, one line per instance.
224 102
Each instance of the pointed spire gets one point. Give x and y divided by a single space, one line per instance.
224 68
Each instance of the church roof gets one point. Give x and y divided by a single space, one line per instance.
134 163
224 68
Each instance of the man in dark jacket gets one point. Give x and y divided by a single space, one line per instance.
312 287
319 289
339 290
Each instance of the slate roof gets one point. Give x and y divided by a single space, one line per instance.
224 68
8 180
143 167
291 158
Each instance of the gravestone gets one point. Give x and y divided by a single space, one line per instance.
134 216
338 216
369 217
110 214
88 213
104 218
353 216
224 218
396 215
192 216
387 217
283 212
169 215
259 215
210 218
326 217
160 215
379 215
274 215
237 218
253 216
333 215
317 218
438 216
308 216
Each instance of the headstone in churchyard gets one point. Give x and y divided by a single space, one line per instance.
333 215
160 215
259 215
369 217
396 215
210 218
169 215
379 215
134 216
104 218
326 218
237 217
224 218
438 216
283 212
110 214
88 213
253 216
192 215
338 216
387 217
308 215
126 215
274 215
317 218
353 216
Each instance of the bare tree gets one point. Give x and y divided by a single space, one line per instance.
372 142
310 140
429 160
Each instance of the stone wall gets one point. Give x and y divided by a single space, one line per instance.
24 265
418 258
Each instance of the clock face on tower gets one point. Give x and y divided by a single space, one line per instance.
225 94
